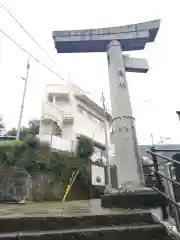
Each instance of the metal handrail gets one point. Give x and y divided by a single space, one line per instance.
162 175
168 190
166 150
163 157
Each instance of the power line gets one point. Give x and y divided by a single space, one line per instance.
42 64
38 44
29 35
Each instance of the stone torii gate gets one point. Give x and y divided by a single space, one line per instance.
114 41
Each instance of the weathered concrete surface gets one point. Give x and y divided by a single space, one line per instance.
77 220
131 37
126 158
73 208
15 184
138 65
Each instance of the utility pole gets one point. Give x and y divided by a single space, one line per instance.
23 99
163 139
109 185
152 139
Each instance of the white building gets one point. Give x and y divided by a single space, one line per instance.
68 113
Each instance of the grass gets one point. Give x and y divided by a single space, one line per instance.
6 143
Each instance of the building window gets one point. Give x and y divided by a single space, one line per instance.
60 100
50 98
57 130
90 116
102 125
80 109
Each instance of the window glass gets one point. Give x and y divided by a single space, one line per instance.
80 109
60 100
50 98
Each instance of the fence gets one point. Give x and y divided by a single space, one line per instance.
165 184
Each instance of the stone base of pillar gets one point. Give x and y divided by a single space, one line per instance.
138 198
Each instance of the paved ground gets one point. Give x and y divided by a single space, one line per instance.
91 207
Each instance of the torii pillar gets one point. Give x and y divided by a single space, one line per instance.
114 41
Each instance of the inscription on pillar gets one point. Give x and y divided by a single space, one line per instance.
126 129
108 59
122 85
120 74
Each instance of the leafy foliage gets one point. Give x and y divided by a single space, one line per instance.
34 125
38 158
31 130
8 151
84 147
12 132
32 155
2 126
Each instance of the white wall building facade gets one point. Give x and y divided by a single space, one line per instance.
68 113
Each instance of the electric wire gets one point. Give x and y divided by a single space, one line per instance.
42 49
42 64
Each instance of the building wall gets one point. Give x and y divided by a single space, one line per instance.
67 131
45 129
87 127
87 122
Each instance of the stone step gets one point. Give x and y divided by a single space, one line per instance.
146 199
41 223
143 232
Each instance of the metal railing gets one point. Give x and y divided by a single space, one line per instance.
165 184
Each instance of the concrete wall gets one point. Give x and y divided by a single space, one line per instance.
45 129
67 131
58 142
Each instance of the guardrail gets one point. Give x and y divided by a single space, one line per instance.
165 183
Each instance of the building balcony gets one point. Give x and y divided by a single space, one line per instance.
51 113
58 143
68 118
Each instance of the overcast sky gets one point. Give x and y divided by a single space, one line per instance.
155 96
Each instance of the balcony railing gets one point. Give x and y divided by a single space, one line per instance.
51 112
68 118
58 143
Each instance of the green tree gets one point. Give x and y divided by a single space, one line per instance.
34 125
32 129
85 147
2 126
12 132
23 132
33 156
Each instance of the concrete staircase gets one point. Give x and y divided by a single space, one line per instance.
116 226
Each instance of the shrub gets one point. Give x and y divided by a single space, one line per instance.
84 148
